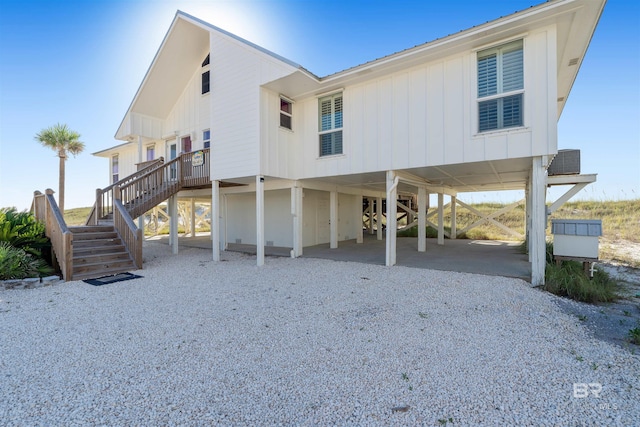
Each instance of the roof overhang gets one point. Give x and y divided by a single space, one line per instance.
183 49
575 21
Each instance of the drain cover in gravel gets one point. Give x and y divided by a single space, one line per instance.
111 279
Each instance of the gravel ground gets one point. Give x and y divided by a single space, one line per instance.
304 342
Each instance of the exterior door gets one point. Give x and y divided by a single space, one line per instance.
173 153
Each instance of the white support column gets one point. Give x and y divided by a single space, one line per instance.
333 219
193 217
379 218
527 213
392 218
215 220
296 211
371 212
259 220
141 217
538 221
440 219
422 219
224 220
358 219
454 225
173 223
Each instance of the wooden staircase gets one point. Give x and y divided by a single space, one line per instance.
110 242
98 251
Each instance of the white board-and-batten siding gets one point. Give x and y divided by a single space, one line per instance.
423 116
237 72
191 114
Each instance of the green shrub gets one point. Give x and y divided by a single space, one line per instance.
16 263
21 230
569 280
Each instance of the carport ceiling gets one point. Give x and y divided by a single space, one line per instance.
509 174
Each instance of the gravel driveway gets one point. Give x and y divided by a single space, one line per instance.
304 342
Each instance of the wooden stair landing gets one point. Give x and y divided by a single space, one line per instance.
98 251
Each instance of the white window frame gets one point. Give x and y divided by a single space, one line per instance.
205 69
333 96
499 95
285 113
115 175
206 140
153 148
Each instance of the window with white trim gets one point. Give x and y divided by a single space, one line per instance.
205 76
501 87
330 124
115 176
206 137
286 113
151 152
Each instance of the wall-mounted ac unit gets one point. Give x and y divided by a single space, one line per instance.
566 162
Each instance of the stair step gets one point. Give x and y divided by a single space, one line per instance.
104 267
95 250
94 236
101 273
84 244
100 258
91 229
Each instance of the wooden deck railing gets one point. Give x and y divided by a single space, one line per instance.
46 210
103 206
130 234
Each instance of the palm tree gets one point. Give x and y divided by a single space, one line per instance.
62 140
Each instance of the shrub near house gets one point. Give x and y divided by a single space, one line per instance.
22 243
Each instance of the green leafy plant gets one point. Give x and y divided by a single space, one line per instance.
634 335
15 263
22 230
569 280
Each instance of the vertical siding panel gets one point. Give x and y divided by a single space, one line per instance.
453 112
370 139
435 115
417 118
355 144
385 123
400 114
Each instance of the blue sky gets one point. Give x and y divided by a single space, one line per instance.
80 62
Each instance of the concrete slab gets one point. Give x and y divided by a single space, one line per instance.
488 257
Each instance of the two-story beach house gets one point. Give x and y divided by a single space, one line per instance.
288 158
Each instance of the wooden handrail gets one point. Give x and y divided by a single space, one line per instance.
130 235
104 197
46 210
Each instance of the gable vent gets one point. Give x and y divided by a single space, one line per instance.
573 61
561 99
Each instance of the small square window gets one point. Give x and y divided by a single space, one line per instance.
151 152
286 113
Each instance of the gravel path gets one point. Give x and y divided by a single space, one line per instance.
303 342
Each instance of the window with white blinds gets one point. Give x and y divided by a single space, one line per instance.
330 124
501 87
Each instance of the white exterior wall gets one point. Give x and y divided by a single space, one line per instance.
241 218
127 159
237 72
315 205
191 113
427 116
279 145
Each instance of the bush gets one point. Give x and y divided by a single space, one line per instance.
21 230
16 263
569 280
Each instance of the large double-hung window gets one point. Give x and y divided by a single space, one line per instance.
501 87
330 124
